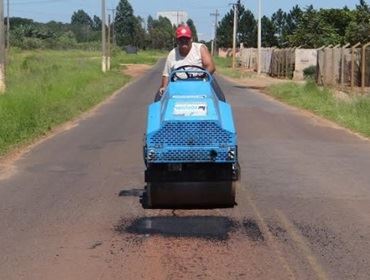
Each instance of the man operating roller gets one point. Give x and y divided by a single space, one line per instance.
186 53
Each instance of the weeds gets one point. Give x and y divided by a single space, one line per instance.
353 114
47 88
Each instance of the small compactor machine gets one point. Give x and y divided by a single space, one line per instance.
190 145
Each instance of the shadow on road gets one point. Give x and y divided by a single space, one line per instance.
132 192
250 87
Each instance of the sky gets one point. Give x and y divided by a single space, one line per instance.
198 10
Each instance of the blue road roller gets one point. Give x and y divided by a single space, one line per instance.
190 145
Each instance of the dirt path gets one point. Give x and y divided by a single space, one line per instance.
135 70
258 82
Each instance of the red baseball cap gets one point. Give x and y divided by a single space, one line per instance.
183 31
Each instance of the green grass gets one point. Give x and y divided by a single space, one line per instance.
353 114
48 88
147 57
224 67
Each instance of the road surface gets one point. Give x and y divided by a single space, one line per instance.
69 209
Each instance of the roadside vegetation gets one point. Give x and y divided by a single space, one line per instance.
350 112
224 67
54 68
48 88
307 27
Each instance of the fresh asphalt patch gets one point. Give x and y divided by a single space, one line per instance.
205 227
217 228
252 230
278 232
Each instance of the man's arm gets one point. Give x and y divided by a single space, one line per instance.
207 60
164 84
166 73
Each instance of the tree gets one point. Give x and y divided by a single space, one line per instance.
126 24
313 31
339 19
268 33
97 23
359 28
82 26
81 18
247 30
225 30
139 38
149 22
161 34
193 29
17 21
279 20
293 18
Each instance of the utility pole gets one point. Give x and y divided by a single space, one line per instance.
236 6
7 26
2 48
113 20
259 38
103 38
108 41
214 43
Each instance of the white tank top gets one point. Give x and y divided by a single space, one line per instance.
175 59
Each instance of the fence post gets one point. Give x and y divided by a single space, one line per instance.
277 57
292 62
363 62
286 62
319 67
342 65
353 65
271 70
333 78
282 58
325 66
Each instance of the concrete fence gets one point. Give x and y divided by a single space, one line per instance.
347 67
288 63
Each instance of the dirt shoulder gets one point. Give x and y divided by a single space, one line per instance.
135 70
257 82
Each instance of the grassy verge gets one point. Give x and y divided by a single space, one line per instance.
47 88
353 113
224 65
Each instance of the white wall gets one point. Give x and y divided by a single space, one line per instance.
304 58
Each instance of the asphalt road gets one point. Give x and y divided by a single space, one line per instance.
70 209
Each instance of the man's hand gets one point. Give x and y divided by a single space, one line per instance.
163 85
161 90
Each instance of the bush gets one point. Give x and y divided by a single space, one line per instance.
309 73
30 43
